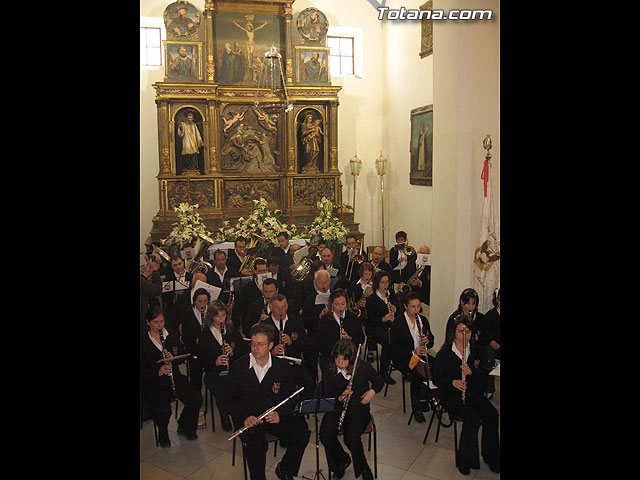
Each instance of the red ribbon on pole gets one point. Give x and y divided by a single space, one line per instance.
485 175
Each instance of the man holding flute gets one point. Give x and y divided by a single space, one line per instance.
256 382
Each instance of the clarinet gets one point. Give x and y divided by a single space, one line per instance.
280 331
422 344
343 332
224 349
165 354
464 351
349 388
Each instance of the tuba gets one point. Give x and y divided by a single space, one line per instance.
255 244
196 265
302 270
158 251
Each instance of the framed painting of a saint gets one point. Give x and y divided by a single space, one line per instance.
421 146
312 65
183 61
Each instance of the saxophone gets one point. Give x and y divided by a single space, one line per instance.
165 354
406 286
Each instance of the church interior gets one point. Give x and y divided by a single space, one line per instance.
371 155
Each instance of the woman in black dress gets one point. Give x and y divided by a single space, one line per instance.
366 383
381 307
475 410
411 335
214 359
161 383
338 323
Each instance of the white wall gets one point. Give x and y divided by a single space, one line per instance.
466 85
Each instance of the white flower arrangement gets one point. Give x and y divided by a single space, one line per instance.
261 221
186 229
325 227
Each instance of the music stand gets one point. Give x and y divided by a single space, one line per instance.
317 405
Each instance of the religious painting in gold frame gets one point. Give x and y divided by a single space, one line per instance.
426 35
312 65
421 146
182 61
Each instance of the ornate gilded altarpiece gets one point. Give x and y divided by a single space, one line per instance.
216 148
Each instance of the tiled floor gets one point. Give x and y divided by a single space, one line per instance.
401 454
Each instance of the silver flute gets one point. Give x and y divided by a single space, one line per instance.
240 430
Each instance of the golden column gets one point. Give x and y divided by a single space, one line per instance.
333 137
163 135
209 50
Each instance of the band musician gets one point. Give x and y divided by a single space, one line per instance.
257 382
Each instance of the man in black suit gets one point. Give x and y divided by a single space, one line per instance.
327 258
281 274
236 256
220 275
257 382
260 309
290 340
249 293
378 261
311 313
283 250
403 266
180 282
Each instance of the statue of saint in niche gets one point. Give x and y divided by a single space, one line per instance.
310 135
189 141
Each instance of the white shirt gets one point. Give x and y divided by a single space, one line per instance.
197 314
346 375
276 322
158 345
384 299
221 275
413 329
216 334
258 370
459 354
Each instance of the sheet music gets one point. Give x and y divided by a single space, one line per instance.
212 289
322 298
423 259
495 371
300 254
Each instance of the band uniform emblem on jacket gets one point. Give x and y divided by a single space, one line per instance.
276 387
